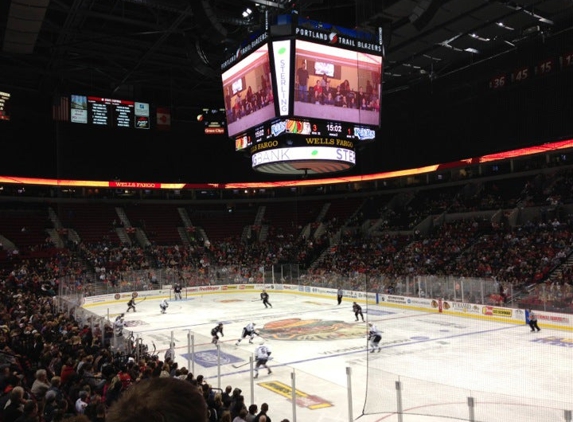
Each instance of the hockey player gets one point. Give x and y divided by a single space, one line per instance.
118 325
164 305
374 335
177 291
131 305
357 309
262 354
265 299
248 331
215 333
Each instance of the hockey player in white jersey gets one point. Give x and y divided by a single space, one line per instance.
164 305
262 355
374 335
118 325
248 331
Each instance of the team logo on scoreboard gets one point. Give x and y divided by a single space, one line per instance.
333 38
142 122
362 133
278 128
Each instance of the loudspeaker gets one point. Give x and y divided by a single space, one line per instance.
423 13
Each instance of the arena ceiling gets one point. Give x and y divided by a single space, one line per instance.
169 51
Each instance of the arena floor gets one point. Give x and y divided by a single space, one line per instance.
320 353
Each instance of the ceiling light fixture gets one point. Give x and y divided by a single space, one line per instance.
504 26
536 16
477 37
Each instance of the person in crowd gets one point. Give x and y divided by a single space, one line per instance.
225 416
30 412
302 76
227 396
159 400
317 92
218 405
82 402
252 412
50 406
263 413
329 99
14 407
241 416
237 405
41 384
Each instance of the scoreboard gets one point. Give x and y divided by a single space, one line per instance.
305 128
109 112
302 95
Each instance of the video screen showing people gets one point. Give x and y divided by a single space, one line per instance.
336 84
248 92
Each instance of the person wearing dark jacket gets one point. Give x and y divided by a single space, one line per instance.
265 299
264 410
218 329
357 309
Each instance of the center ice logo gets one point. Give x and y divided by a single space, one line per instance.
311 329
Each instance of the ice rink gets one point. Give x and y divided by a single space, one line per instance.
436 360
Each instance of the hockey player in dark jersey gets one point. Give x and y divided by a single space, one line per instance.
357 309
215 333
177 291
265 299
131 305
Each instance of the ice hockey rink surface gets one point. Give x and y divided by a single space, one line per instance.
320 353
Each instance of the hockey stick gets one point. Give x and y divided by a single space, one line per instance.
242 364
142 300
